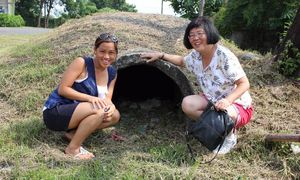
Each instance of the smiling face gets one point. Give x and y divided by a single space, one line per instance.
198 39
105 54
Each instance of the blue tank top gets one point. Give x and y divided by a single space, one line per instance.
88 86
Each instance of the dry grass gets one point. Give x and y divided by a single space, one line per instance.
150 152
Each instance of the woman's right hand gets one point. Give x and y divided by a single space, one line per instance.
97 102
151 56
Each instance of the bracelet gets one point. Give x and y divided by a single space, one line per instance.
162 56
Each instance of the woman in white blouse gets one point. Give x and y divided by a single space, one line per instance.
219 74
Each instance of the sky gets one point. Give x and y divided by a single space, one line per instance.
152 6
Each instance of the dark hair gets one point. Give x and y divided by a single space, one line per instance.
211 31
106 37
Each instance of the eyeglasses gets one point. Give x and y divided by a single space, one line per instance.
198 34
108 37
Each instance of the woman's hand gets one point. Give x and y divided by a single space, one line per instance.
222 104
152 56
108 112
97 102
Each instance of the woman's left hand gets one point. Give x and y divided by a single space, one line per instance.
222 104
108 112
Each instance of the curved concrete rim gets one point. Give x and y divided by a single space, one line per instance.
167 68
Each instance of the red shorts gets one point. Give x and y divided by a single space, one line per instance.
244 115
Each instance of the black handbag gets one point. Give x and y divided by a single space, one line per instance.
210 129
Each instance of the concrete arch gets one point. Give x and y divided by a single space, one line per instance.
138 79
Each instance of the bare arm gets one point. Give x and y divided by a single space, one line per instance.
242 85
111 90
110 108
172 58
73 72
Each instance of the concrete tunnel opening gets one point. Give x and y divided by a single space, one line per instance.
149 87
141 82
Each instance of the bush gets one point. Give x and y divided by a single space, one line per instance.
7 20
107 10
54 22
289 62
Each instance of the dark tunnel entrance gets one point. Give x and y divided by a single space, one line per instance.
141 82
148 97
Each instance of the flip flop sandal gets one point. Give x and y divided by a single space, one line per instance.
82 152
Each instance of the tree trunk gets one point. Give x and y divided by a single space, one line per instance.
49 7
293 34
201 7
40 13
162 7
294 31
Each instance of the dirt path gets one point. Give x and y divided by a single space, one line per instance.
22 30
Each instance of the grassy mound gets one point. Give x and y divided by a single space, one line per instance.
155 147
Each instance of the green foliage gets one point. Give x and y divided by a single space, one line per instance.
261 22
87 8
7 20
29 10
81 8
289 61
77 9
115 4
107 10
190 8
54 22
269 15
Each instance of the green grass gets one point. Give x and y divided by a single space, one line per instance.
9 42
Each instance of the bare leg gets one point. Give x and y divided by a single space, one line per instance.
232 112
69 135
86 119
114 120
193 106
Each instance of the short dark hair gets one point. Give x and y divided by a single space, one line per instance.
211 31
106 37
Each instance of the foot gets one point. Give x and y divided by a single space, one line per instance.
229 143
79 154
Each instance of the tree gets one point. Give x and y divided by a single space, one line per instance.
115 4
191 8
29 10
259 23
288 51
72 8
40 13
48 5
201 7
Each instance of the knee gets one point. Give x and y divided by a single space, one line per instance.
98 116
186 104
116 117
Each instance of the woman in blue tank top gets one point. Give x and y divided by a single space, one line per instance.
82 102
